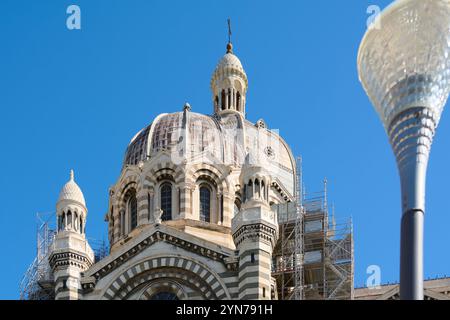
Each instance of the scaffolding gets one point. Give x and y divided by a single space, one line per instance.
298 241
288 254
313 258
37 283
100 248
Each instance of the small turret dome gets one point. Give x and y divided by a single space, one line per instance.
229 60
229 84
72 192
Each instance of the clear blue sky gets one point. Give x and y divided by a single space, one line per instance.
74 99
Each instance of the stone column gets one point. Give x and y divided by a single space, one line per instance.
219 209
186 200
142 203
228 209
232 99
151 209
226 99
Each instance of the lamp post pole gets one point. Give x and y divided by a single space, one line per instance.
404 68
411 134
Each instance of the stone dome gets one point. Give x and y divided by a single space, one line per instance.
72 192
226 140
230 60
229 65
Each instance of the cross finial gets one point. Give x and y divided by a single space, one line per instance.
72 175
229 30
229 45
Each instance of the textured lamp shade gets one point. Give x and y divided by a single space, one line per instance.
406 62
404 66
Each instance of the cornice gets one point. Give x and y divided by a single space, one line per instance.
158 235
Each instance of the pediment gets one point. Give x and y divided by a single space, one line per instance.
156 234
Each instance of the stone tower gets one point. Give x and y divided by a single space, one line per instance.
229 84
255 232
71 253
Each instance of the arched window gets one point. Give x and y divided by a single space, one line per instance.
223 100
164 295
229 98
81 225
75 222
263 190
122 222
216 102
250 190
112 223
69 220
59 223
238 101
257 190
166 201
205 204
149 204
237 206
63 221
132 211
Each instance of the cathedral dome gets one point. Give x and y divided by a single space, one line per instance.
72 192
226 140
185 131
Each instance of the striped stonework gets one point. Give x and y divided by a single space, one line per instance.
255 275
255 235
110 219
228 209
186 191
164 169
164 286
206 170
219 178
143 212
178 269
146 179
119 205
150 204
66 268
67 287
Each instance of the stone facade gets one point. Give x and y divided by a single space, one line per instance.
190 215
437 289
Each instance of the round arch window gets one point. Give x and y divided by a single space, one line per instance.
205 204
166 201
164 295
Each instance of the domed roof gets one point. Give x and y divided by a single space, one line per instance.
225 139
230 60
229 65
72 192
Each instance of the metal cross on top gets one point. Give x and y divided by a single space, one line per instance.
229 30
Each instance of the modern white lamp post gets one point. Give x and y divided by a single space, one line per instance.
404 66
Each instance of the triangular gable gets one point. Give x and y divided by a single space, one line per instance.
167 234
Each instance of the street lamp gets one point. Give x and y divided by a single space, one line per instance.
404 66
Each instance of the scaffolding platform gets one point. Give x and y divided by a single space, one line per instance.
313 258
37 283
